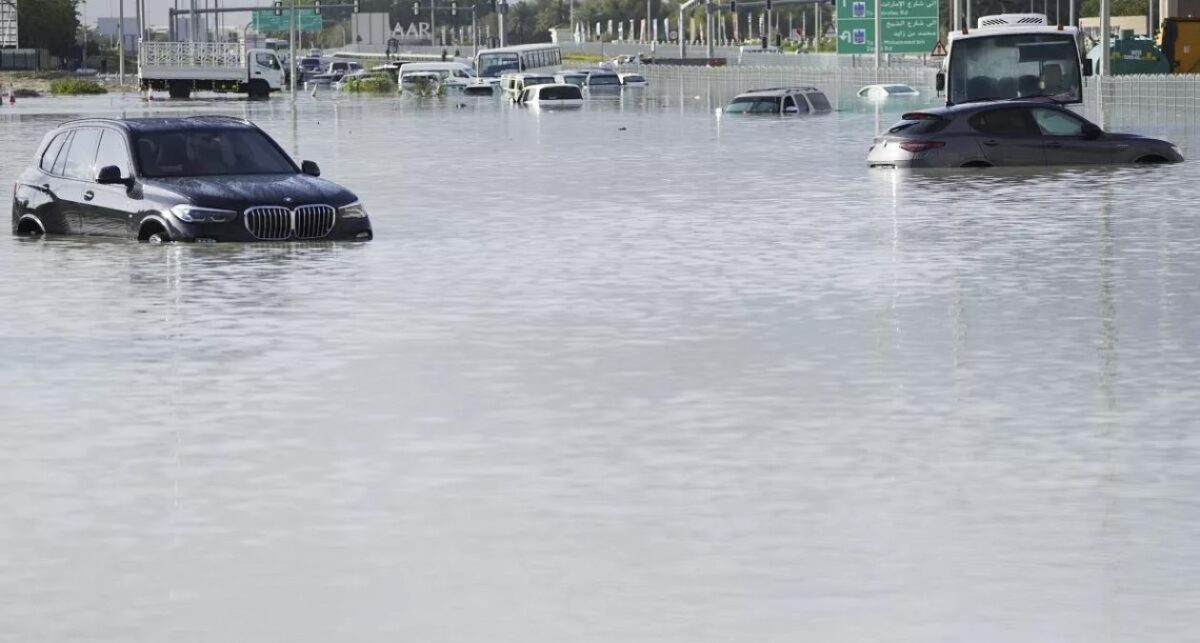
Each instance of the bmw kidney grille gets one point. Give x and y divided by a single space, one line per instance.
277 223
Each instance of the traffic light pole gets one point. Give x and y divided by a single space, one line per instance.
453 9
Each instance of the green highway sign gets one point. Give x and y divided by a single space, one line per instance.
909 26
268 22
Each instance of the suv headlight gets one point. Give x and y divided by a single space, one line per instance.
353 211
193 214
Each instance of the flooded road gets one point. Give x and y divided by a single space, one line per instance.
629 373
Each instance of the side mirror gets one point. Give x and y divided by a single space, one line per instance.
940 81
1087 67
111 175
310 168
1092 131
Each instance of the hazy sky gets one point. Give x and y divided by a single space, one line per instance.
157 9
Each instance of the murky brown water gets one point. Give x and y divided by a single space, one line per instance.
629 373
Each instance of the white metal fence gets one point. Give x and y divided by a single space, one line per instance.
1153 102
839 83
1166 103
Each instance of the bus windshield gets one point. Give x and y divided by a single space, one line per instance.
1015 66
492 65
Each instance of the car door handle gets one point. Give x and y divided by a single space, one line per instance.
990 143
1054 144
89 195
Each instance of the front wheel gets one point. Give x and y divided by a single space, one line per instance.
259 90
158 237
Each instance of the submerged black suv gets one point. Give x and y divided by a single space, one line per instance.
205 178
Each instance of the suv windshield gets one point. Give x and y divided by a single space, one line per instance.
1015 66
209 152
754 105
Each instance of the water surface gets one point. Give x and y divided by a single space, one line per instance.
625 373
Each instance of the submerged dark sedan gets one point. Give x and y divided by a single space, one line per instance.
205 178
1009 133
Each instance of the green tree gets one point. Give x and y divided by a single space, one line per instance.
1091 8
48 24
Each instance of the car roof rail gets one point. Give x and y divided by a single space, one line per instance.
224 117
793 88
91 119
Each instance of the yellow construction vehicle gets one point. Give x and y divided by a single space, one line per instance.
1179 39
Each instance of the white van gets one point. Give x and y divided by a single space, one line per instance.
448 73
514 84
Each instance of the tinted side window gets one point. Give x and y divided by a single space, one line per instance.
1053 122
819 101
1004 122
51 153
60 163
920 125
113 151
81 158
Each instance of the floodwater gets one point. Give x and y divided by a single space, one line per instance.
627 373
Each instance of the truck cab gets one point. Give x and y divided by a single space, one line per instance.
264 64
1014 56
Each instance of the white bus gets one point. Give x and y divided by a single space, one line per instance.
491 63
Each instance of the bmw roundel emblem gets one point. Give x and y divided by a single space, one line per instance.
287 199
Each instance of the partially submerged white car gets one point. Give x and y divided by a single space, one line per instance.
551 95
884 92
633 80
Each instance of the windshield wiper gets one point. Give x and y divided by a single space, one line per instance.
978 100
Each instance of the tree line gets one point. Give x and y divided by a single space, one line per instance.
48 24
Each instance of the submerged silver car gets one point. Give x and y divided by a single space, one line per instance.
1009 133
789 101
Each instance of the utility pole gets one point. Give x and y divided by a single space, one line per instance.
708 31
646 28
433 23
1105 37
292 50
120 40
503 9
878 35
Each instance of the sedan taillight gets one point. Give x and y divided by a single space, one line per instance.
921 146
